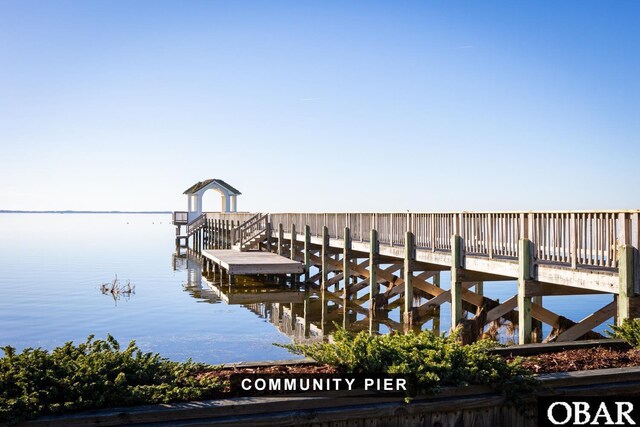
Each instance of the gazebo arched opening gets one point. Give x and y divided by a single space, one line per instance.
213 200
228 197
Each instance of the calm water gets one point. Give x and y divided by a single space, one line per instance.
53 266
50 276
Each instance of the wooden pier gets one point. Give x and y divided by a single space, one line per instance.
254 262
390 259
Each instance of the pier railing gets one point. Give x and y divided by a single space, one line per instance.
250 229
234 217
578 238
180 218
196 223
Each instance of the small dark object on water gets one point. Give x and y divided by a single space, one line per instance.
117 289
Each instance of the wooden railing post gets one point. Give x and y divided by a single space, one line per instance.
374 287
433 232
325 257
490 235
346 268
456 280
307 248
626 282
573 241
525 262
623 229
635 243
409 261
292 251
280 239
269 237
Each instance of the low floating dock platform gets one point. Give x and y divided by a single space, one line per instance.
252 262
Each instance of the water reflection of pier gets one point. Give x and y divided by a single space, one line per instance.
193 285
301 311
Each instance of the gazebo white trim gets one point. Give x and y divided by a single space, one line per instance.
228 197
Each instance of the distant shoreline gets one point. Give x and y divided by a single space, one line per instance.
87 212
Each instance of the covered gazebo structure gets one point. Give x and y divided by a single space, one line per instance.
228 197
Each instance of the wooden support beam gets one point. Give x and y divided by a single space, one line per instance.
433 303
625 276
313 279
335 279
374 250
356 287
499 311
536 325
544 315
280 239
307 244
399 290
588 323
269 236
292 245
456 280
325 257
435 326
409 257
525 263
480 288
218 237
338 277
323 311
540 289
346 271
635 243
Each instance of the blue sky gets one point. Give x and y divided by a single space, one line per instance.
320 105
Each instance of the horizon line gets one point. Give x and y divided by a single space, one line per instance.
82 211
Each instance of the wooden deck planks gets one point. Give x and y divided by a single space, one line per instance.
254 262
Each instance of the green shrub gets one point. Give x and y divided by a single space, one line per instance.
94 374
435 361
629 331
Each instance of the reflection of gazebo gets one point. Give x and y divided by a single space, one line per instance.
228 196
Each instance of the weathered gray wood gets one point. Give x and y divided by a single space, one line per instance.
293 245
325 257
625 275
346 271
409 260
280 239
456 280
635 243
525 262
374 250
588 323
499 311
255 262
538 289
307 248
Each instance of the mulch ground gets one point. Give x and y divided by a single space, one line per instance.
582 360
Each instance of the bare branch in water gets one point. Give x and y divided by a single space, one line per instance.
117 289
